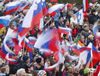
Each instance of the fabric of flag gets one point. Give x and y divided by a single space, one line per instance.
32 18
23 6
92 5
5 52
95 28
85 5
59 57
29 43
55 9
5 1
54 0
12 7
79 15
85 56
44 7
48 40
95 55
4 21
97 35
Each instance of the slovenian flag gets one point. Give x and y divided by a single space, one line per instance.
12 7
55 9
23 6
29 43
44 7
48 40
95 55
32 18
6 52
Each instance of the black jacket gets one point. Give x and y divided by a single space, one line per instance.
57 24
92 19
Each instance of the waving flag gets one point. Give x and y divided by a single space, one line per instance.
44 7
85 5
6 53
59 57
95 28
12 7
29 43
85 56
4 21
5 1
55 9
95 55
92 5
79 15
48 40
23 6
67 30
32 18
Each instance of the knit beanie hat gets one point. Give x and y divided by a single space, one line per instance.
25 58
38 60
87 70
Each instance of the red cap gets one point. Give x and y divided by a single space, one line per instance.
69 5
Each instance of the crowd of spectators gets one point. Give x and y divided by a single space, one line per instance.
33 64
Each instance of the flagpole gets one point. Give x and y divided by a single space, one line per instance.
18 8
42 13
91 58
51 18
23 49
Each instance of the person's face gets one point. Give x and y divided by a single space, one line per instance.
91 38
91 27
61 19
28 60
74 16
67 22
69 13
98 24
52 25
48 62
86 28
67 37
94 13
99 14
36 26
69 8
75 38
42 61
1 45
30 69
82 39
27 54
12 26
69 69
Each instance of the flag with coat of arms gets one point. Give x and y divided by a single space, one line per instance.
79 15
